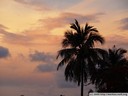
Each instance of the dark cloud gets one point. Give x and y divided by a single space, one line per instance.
41 56
47 59
124 23
4 52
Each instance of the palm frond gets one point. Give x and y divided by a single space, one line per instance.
69 52
121 51
93 30
67 55
69 74
94 38
62 62
75 26
89 29
71 39
117 55
68 39
102 53
113 75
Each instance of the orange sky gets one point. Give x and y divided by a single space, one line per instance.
30 36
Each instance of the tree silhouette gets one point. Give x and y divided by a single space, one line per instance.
112 73
78 53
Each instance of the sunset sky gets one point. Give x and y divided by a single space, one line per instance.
31 32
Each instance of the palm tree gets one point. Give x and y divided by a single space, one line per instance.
112 73
78 52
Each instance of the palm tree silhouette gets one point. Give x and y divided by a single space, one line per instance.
79 52
112 74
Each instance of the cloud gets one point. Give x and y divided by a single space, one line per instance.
4 52
48 61
49 29
124 23
45 31
41 56
3 27
29 37
13 37
49 65
67 18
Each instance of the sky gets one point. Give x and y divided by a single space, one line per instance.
31 32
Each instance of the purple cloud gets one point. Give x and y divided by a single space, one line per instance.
4 52
48 61
41 56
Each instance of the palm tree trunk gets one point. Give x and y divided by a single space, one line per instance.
82 78
82 83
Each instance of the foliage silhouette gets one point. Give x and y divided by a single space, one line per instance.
112 72
79 52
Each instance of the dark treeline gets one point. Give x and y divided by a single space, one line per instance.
106 69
